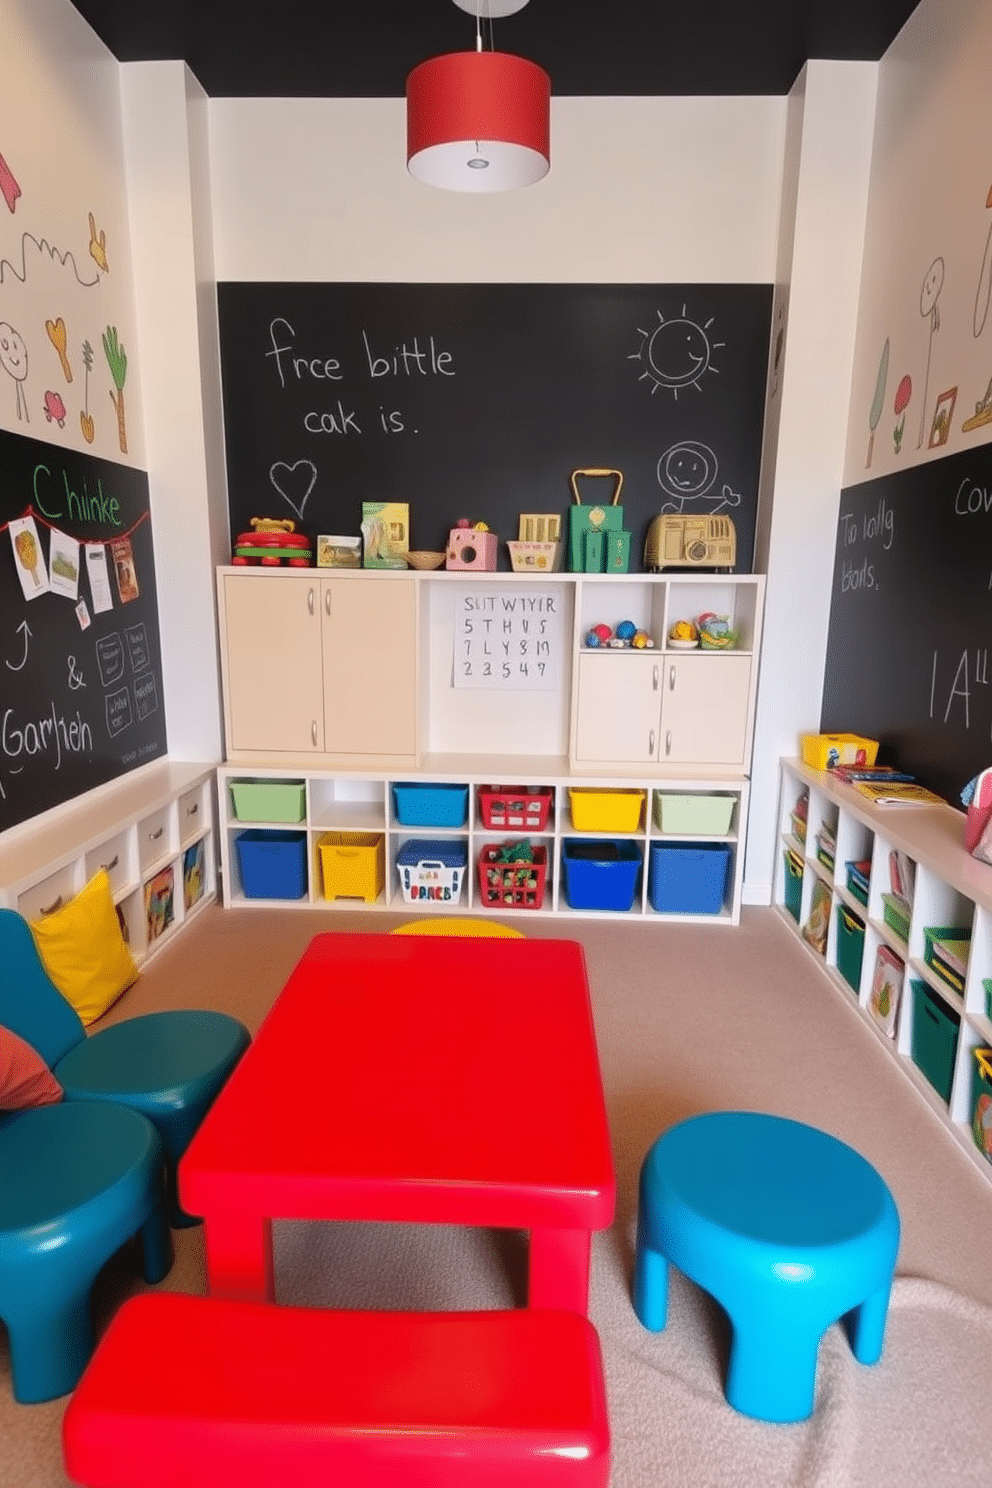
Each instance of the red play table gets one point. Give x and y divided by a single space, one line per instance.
415 1078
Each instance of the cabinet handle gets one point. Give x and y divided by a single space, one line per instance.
310 599
668 742
655 677
193 809
327 601
109 867
154 836
671 677
51 908
651 743
313 733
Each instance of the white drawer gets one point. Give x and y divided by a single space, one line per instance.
50 893
194 814
155 837
116 856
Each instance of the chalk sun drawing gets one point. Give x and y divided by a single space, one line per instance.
676 353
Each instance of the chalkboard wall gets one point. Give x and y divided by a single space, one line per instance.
908 656
80 686
478 401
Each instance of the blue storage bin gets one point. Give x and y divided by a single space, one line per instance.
430 805
690 878
273 864
600 874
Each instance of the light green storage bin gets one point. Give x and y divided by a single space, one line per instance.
693 814
269 800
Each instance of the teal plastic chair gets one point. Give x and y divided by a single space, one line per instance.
788 1228
78 1181
169 1065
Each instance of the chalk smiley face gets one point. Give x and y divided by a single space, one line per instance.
13 352
687 470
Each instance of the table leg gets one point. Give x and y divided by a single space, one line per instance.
238 1252
559 1269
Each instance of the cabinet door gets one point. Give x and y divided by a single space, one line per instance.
704 709
273 663
370 666
618 706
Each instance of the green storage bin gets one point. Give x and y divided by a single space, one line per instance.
850 946
793 883
693 814
955 942
269 800
935 1037
896 913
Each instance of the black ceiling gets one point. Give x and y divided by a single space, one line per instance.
365 48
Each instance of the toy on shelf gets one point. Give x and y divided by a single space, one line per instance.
623 636
538 545
385 534
338 552
597 540
472 546
684 635
271 542
715 633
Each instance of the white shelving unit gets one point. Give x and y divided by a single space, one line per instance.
365 804
476 715
950 888
154 833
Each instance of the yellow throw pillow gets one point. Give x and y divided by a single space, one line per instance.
83 950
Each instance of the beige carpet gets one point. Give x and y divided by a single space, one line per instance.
688 1019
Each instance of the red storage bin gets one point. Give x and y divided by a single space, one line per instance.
517 885
516 807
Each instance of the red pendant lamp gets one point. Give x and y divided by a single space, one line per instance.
479 121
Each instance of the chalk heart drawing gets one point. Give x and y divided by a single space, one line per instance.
294 483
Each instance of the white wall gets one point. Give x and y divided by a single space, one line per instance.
167 167
640 190
62 142
821 234
931 199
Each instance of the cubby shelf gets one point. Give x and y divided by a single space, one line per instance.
153 831
945 887
551 710
364 804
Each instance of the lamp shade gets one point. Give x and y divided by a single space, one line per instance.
478 121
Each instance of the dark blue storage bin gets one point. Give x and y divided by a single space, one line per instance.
421 805
273 864
600 874
690 878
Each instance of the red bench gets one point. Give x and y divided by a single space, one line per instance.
211 1393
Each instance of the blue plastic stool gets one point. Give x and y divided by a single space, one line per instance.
77 1182
169 1066
788 1228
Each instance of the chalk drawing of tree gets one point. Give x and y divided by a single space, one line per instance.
117 362
933 283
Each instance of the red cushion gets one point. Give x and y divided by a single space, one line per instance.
25 1079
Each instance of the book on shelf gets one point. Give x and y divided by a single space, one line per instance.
897 793
881 774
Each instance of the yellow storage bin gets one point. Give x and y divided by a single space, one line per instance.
823 751
353 865
600 810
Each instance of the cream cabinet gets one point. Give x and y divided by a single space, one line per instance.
665 707
662 707
317 666
345 685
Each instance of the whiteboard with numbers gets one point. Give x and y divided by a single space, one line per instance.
508 640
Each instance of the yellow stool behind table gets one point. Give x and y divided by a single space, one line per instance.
490 928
